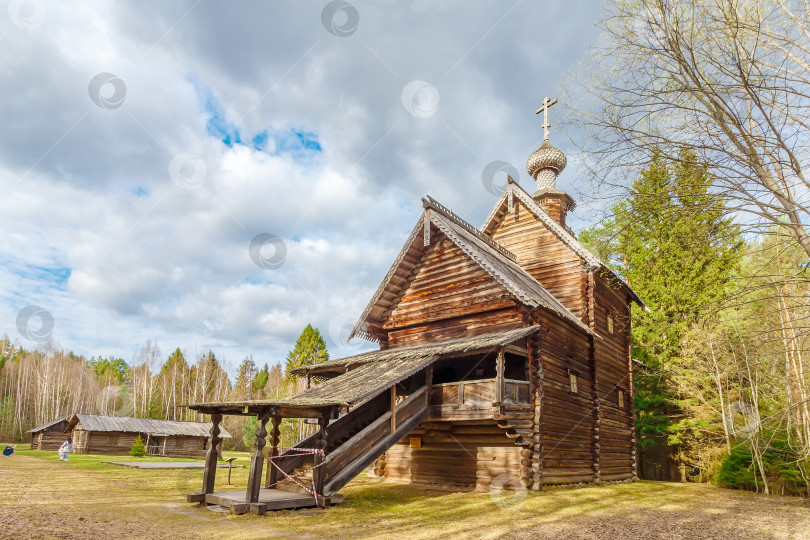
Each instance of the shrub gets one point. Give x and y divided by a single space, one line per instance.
138 448
737 470
781 468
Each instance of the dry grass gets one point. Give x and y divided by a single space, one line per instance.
43 498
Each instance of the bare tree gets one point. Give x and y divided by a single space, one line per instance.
729 79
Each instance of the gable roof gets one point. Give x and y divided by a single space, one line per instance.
49 424
496 260
513 189
96 422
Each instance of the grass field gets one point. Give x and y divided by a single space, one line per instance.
41 497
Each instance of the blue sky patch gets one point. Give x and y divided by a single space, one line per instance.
300 143
55 275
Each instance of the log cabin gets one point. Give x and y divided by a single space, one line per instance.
504 360
49 436
98 434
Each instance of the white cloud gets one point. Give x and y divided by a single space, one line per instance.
87 191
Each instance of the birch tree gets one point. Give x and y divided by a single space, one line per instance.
727 79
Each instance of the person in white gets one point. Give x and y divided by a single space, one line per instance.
65 449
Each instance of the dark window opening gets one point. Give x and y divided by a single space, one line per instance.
515 367
479 367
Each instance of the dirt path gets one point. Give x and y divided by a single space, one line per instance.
46 499
42 498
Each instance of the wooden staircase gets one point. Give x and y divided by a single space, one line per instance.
356 439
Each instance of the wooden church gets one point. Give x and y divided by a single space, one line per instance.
504 359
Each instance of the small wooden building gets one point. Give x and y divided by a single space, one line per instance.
97 434
504 360
49 436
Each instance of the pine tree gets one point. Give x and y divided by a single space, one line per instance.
674 245
310 348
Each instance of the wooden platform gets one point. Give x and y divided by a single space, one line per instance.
269 499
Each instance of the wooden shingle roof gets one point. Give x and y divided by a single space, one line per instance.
126 424
371 373
49 424
460 345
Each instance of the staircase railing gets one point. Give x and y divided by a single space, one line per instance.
335 431
363 448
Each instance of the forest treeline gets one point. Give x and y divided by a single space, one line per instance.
45 383
721 356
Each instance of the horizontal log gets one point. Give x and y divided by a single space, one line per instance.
556 479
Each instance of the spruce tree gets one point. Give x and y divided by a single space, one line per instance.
310 348
138 449
674 245
260 381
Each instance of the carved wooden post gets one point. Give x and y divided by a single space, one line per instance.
318 475
272 472
257 461
499 377
209 476
309 379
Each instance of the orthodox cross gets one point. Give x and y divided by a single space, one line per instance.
547 102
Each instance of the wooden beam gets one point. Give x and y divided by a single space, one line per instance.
272 472
318 476
257 461
259 409
393 408
499 369
209 475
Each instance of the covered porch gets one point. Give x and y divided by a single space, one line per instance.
367 403
255 498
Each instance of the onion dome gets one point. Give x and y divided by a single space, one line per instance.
546 163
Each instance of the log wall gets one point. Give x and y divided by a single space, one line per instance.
448 296
120 443
453 454
613 373
567 418
556 266
48 440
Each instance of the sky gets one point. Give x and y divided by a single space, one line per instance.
217 175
